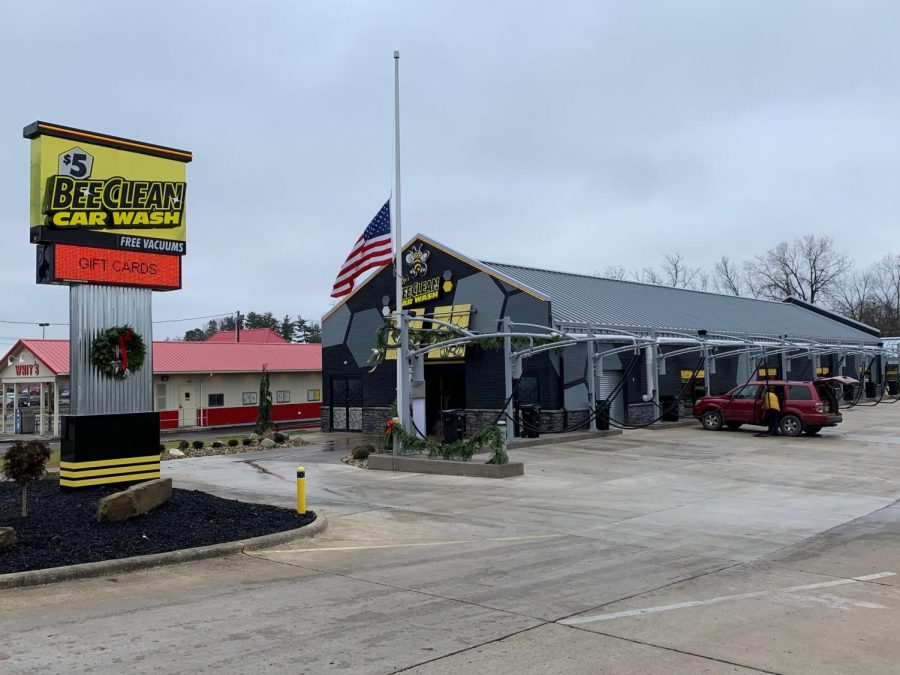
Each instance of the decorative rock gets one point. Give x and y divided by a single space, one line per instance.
175 452
298 439
254 436
134 501
267 443
7 538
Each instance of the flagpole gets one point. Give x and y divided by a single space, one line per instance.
403 351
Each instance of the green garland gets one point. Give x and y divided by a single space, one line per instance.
492 436
106 352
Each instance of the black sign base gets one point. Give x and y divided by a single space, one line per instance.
105 449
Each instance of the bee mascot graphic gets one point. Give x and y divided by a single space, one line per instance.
417 260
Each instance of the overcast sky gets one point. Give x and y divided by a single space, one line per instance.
572 136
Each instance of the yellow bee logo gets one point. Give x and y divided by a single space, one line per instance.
417 259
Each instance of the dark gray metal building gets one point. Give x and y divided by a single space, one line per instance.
743 337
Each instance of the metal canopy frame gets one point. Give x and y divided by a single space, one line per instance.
636 339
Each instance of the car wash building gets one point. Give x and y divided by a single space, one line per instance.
701 342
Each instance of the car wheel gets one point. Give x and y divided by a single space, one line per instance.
711 420
812 431
734 426
791 425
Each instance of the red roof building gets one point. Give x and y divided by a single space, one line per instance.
196 384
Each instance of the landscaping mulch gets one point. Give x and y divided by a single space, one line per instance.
62 528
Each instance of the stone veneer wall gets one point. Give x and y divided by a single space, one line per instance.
642 413
373 420
476 420
326 418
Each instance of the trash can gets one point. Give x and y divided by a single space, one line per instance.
24 421
603 416
531 421
454 423
669 405
870 390
892 387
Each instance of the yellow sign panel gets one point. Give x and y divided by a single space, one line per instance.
99 190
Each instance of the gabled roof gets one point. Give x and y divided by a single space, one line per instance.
580 298
197 357
52 353
249 335
484 267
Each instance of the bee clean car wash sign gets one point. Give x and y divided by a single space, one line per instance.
108 216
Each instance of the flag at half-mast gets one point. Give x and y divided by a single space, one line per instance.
372 249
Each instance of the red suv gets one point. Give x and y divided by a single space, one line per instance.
805 406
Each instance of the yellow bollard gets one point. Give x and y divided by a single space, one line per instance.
301 490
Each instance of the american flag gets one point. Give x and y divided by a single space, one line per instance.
372 249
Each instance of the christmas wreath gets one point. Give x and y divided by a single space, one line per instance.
118 352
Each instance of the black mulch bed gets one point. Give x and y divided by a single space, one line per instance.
62 528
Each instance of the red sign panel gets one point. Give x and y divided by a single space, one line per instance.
109 266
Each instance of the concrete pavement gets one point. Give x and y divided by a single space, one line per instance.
666 551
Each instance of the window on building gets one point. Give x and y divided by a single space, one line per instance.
160 396
313 394
216 400
282 397
249 398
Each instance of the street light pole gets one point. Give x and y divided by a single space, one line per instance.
43 329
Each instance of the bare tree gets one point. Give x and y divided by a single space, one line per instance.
808 268
728 277
677 273
854 297
647 275
615 272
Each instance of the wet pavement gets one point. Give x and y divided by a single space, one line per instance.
675 551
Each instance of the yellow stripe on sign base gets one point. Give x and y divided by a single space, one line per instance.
112 479
138 468
109 462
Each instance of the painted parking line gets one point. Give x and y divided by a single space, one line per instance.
534 537
574 621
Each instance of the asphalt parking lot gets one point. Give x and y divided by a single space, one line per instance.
653 552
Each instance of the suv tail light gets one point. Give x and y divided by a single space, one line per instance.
820 407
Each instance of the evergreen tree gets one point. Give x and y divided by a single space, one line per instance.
286 330
264 407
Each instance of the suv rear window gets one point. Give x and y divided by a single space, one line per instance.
800 393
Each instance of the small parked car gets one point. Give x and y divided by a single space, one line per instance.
805 406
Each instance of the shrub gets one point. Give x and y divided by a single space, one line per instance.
197 445
361 452
247 441
218 444
25 463
232 442
279 438
162 448
183 445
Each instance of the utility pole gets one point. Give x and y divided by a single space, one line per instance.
237 326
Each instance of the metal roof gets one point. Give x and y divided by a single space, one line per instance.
578 298
197 357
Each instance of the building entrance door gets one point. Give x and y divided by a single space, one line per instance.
187 405
346 404
445 389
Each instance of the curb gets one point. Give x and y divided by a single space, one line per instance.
103 567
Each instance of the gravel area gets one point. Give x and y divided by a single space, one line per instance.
62 528
209 451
